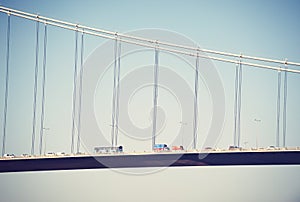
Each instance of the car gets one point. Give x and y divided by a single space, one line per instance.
9 156
233 148
177 148
80 153
60 153
50 154
208 149
271 148
25 155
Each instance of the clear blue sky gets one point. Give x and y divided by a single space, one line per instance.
259 28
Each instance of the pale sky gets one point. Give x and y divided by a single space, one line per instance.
265 29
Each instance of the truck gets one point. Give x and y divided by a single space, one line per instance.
108 149
161 147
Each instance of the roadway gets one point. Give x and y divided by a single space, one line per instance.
147 159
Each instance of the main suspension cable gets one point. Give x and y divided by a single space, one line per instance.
151 43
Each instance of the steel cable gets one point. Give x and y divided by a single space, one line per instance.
43 89
284 108
35 88
118 95
235 102
278 108
195 123
113 119
6 85
74 92
80 93
239 104
155 95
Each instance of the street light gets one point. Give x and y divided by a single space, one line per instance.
182 125
45 139
245 144
257 121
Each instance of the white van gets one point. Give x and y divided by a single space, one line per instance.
9 156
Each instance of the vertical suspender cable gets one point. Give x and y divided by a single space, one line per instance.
118 95
114 94
278 108
6 85
284 108
74 91
239 104
235 103
195 123
155 94
35 87
80 92
43 89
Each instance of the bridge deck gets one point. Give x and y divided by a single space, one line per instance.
151 160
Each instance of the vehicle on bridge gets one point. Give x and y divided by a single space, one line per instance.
161 147
25 155
105 150
50 154
234 148
9 156
177 148
60 153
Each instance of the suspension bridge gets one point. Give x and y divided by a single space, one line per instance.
76 160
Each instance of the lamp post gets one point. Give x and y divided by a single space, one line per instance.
47 129
256 137
245 144
182 125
